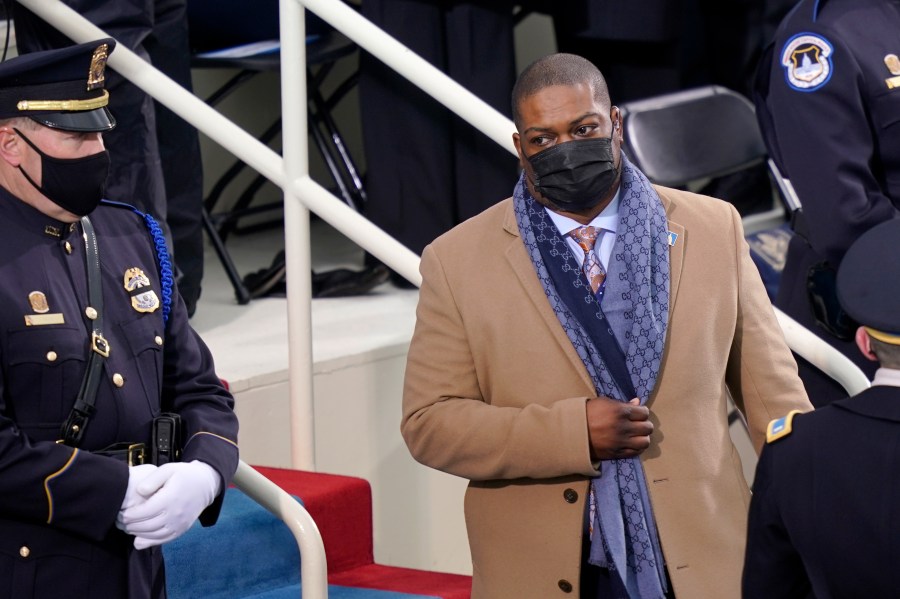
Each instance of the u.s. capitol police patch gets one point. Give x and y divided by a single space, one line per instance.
138 286
806 59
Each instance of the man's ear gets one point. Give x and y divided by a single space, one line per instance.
10 146
615 115
517 141
864 343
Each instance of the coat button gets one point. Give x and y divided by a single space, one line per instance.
570 495
90 313
24 551
68 247
158 340
51 356
565 586
118 380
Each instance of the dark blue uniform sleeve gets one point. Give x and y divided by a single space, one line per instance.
193 390
772 567
826 144
50 483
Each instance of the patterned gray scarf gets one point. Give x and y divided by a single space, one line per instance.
636 308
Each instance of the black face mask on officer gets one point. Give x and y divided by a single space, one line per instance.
75 184
575 175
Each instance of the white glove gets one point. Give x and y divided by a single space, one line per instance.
136 474
176 494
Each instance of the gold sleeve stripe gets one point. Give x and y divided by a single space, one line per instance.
51 477
211 435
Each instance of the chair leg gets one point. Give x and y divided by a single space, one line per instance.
240 290
322 110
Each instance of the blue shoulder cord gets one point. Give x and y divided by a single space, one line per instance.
167 279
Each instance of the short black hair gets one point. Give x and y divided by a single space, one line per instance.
557 69
888 354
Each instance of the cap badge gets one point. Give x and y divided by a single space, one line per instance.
143 297
38 302
806 59
96 75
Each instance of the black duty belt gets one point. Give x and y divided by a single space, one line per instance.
134 454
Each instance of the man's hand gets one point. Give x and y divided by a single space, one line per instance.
616 429
175 495
136 475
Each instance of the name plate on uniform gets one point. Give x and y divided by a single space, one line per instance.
34 320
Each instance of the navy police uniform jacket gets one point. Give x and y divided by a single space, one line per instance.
827 95
825 512
58 505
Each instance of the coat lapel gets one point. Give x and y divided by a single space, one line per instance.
676 250
521 265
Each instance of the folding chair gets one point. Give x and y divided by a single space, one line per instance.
232 34
689 137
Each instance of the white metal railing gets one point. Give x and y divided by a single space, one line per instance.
313 565
822 355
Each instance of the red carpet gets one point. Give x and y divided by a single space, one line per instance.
342 509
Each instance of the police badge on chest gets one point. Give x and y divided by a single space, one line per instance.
138 286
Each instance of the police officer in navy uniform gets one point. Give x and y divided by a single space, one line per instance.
155 153
89 320
825 512
828 102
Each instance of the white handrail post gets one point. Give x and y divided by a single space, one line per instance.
296 235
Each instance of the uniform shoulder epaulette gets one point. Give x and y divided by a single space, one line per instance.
781 427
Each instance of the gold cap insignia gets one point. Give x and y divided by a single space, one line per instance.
143 297
38 302
96 75
892 63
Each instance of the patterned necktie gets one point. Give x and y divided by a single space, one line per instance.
585 237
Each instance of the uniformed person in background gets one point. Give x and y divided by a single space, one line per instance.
828 102
96 354
825 512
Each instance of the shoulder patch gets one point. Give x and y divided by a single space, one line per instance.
806 59
781 427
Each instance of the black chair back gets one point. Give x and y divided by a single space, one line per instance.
691 135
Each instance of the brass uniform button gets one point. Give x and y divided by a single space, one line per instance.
90 313
565 586
570 495
24 551
158 340
51 356
118 380
68 247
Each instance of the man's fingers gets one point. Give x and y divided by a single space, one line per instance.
637 412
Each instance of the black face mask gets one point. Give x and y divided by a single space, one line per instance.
575 175
74 184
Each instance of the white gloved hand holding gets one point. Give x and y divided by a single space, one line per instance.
175 495
136 474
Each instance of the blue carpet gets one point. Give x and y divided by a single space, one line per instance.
248 551
248 554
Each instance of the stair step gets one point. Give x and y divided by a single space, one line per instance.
250 554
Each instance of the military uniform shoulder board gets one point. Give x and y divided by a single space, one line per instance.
806 59
781 427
